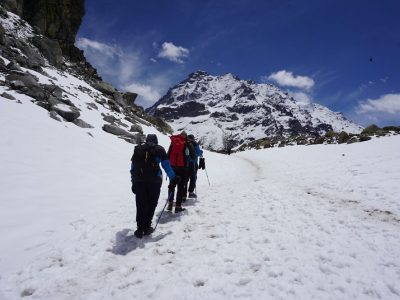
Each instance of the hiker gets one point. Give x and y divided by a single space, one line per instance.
179 153
146 179
193 166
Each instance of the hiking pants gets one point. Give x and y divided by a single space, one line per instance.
192 177
182 172
147 194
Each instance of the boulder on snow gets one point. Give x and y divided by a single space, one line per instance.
54 116
53 101
17 84
82 124
117 131
371 130
12 65
69 113
353 140
110 119
119 99
27 79
92 105
364 138
55 90
136 128
130 98
37 93
2 31
7 96
104 87
50 49
343 137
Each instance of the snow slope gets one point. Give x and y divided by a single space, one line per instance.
316 222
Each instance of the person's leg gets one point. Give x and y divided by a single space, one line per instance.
181 188
140 208
153 190
192 179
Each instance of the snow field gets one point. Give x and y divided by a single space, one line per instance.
284 223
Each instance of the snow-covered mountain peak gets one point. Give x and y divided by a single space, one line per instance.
213 107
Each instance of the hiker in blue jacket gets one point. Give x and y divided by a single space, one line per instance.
193 166
146 177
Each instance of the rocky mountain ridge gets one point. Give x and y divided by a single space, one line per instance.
39 62
225 109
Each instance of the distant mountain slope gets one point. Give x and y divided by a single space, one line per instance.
212 107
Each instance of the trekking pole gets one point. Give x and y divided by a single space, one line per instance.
159 217
207 176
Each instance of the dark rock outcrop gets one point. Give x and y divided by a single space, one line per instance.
69 113
7 96
187 109
82 124
58 20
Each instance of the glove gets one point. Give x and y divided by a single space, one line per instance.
133 187
175 181
202 163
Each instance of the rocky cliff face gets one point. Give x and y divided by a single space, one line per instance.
58 20
36 65
221 108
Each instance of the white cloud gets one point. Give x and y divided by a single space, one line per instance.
91 45
301 98
389 103
129 69
285 78
173 53
148 93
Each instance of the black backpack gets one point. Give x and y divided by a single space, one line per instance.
144 159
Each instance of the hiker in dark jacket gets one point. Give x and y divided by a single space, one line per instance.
179 153
146 179
193 166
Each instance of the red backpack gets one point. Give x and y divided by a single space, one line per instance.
177 151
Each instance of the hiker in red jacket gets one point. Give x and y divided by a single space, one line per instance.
179 153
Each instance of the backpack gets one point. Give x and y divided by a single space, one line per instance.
144 158
177 151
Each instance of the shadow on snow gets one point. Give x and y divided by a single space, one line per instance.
126 242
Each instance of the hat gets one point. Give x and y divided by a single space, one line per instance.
152 138
190 137
183 133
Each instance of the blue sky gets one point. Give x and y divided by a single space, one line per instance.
344 54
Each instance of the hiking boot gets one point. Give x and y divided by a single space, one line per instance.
179 209
138 233
148 231
192 195
170 205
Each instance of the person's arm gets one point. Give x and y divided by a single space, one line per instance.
199 152
133 188
168 169
192 152
132 171
165 163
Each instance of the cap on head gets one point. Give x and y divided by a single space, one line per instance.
190 137
152 138
183 133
